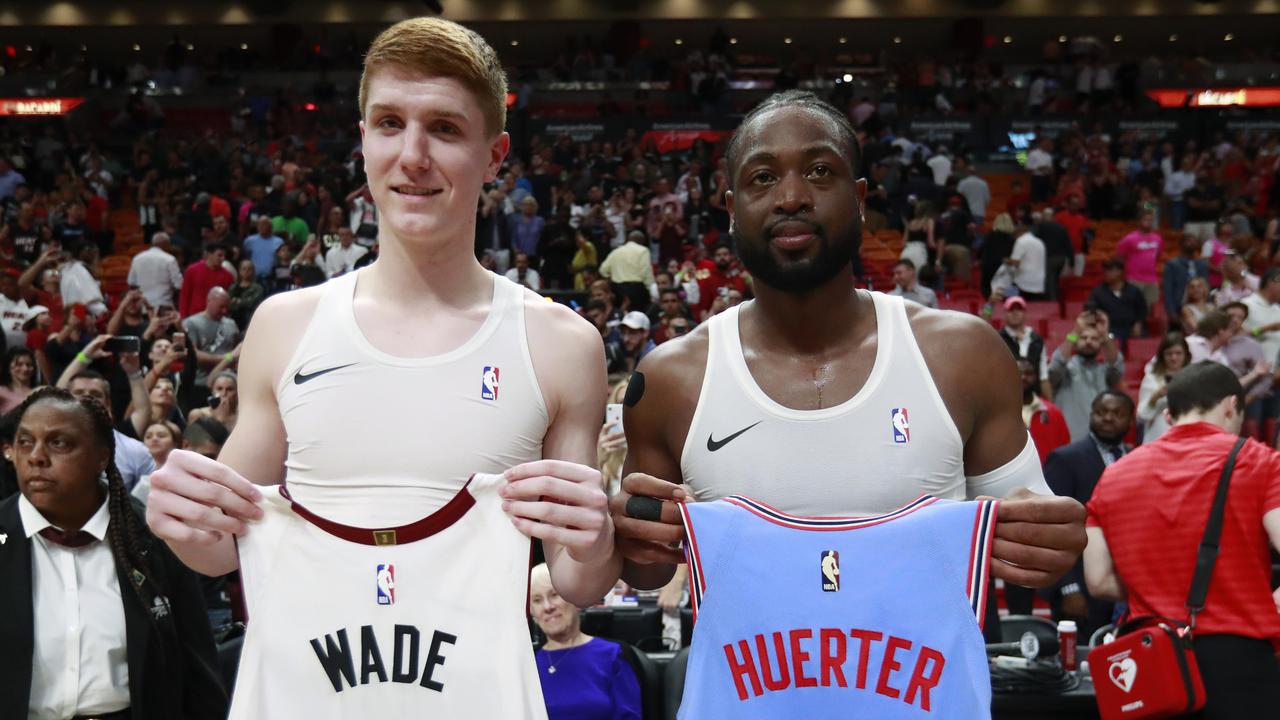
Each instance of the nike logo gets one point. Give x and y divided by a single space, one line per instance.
714 445
299 378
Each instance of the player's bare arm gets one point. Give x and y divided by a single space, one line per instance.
197 504
1038 537
561 499
657 415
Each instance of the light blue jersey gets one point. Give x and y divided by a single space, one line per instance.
876 617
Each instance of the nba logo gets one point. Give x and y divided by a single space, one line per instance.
830 571
901 426
489 383
387 584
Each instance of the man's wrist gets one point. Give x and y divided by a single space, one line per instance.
1073 338
82 358
137 374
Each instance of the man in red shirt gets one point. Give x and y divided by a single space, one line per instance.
1147 517
1076 223
1043 419
201 277
724 272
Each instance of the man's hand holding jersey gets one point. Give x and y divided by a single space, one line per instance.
563 503
647 517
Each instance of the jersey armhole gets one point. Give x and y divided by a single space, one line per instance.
693 558
981 540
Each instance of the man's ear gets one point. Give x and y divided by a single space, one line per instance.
497 153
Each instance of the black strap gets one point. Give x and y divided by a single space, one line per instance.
1207 554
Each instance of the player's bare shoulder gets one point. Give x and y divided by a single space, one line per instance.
969 362
551 322
276 329
675 368
961 338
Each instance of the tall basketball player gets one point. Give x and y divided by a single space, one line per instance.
821 400
375 397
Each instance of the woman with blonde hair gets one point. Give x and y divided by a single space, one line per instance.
921 247
583 677
1195 304
997 246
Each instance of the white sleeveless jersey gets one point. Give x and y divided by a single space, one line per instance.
377 440
425 620
890 443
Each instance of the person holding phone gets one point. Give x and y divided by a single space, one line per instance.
223 399
212 332
1075 373
126 350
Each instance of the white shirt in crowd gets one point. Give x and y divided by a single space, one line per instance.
13 314
1261 314
80 664
532 279
977 193
940 164
156 273
1039 162
1177 183
1028 250
1035 93
341 260
1084 80
79 287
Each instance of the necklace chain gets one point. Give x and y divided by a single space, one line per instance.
551 666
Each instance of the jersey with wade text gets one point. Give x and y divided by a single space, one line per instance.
425 620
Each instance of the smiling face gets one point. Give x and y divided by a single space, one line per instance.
427 155
555 616
22 369
796 206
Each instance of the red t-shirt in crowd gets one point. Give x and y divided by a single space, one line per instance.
1152 506
197 281
1048 428
1075 223
711 279
54 303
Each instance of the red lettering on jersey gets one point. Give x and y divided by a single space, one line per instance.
766 666
831 660
865 637
745 669
922 682
799 657
890 665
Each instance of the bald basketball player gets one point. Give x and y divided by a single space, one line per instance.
377 395
819 399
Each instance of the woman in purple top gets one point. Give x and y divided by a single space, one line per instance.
583 678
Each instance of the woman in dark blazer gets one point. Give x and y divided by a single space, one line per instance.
55 538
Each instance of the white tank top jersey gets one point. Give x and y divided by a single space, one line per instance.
377 440
386 442
893 441
424 620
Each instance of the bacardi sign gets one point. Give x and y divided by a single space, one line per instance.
38 106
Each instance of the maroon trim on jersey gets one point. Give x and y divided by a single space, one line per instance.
402 535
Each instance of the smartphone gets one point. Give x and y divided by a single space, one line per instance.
180 342
613 416
123 344
214 401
